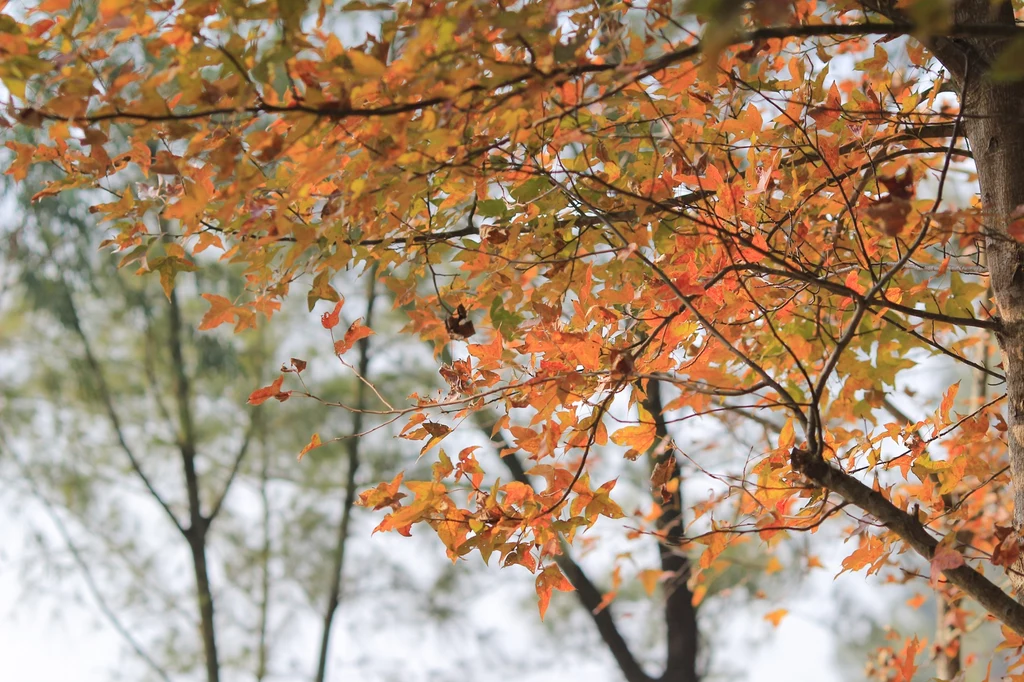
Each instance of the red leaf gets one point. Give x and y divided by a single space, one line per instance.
355 332
261 395
330 320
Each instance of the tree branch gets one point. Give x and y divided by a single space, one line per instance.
235 466
339 110
589 595
909 529
106 398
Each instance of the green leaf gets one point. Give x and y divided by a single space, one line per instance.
491 208
504 321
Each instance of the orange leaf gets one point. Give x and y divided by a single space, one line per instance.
948 398
261 395
314 442
221 312
787 438
906 667
775 617
640 437
550 579
355 332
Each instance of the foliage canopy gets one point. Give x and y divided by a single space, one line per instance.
759 207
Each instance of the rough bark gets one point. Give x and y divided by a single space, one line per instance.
998 139
995 128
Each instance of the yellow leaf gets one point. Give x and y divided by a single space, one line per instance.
775 617
786 436
947 402
365 65
640 437
649 579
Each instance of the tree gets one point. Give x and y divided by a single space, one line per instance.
699 199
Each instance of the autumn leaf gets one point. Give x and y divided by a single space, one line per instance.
549 579
221 312
355 332
639 438
314 442
905 661
383 495
261 395
664 471
650 578
330 320
948 399
775 617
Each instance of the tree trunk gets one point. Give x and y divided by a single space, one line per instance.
995 129
197 543
680 613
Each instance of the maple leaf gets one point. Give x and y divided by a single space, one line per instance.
261 395
549 579
775 617
221 311
355 332
948 399
384 495
650 578
639 438
905 661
